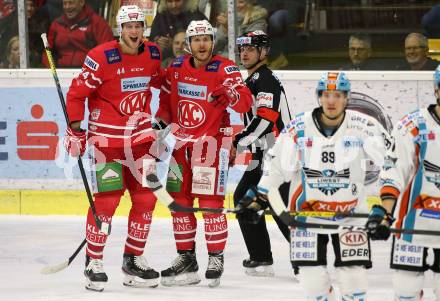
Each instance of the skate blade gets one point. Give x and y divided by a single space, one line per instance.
214 282
95 286
181 280
261 271
138 282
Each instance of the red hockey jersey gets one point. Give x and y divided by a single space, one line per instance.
184 94
117 86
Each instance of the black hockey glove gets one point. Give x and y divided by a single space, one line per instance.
249 208
379 223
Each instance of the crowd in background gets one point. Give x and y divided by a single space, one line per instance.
76 26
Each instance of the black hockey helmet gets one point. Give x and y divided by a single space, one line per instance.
257 38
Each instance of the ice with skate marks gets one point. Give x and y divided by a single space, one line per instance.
138 282
181 279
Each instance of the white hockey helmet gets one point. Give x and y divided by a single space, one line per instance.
129 13
198 28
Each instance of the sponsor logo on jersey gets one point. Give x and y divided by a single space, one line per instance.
265 100
203 180
255 76
92 64
425 201
112 55
136 69
133 102
192 91
352 142
178 61
231 69
213 66
190 114
222 171
135 83
334 206
353 238
154 52
327 181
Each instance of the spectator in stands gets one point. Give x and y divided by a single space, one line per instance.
12 60
37 24
178 46
430 22
77 31
359 51
250 17
416 53
8 24
172 15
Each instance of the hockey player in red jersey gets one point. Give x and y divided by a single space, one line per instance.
197 90
116 77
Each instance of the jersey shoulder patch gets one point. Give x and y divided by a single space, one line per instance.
91 63
113 55
178 61
213 66
231 69
154 52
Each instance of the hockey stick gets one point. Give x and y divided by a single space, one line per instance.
61 266
279 208
103 227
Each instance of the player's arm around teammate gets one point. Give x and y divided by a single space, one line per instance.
115 79
197 91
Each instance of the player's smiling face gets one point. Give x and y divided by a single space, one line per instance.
333 104
201 48
132 34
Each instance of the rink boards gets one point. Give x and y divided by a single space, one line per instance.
37 177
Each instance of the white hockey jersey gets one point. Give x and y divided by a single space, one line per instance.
326 173
412 175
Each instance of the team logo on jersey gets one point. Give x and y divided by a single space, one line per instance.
434 173
190 114
112 55
133 102
231 69
92 64
213 66
95 114
264 100
135 83
327 181
192 91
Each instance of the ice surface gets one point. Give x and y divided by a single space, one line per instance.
29 243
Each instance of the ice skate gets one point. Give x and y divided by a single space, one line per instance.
215 269
138 273
258 268
96 278
183 270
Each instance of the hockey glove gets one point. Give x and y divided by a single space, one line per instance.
249 208
223 96
75 142
379 223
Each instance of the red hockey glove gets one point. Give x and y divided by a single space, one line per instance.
223 96
75 142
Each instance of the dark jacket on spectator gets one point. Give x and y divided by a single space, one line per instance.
430 22
430 65
166 24
72 39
